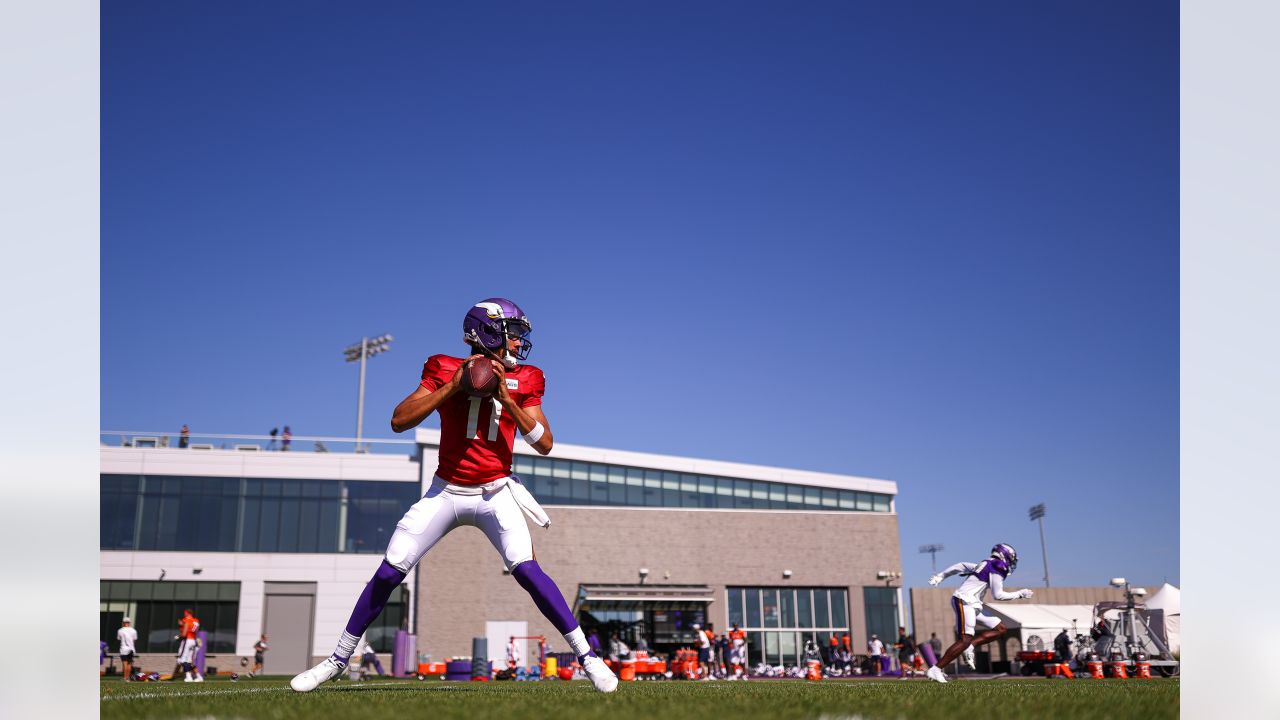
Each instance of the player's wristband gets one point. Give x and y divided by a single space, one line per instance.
535 433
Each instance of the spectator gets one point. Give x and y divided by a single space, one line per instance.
259 650
593 641
128 637
287 438
641 643
184 436
271 445
615 647
875 649
846 660
906 649
833 649
847 642
935 643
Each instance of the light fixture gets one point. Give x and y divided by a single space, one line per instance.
361 351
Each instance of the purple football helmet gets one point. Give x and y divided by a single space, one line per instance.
490 323
1006 553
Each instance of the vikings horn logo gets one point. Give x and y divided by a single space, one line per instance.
493 310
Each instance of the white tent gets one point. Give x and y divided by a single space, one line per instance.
1169 599
1040 624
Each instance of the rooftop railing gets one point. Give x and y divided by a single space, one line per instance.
204 442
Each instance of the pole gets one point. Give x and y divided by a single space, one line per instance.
1045 552
364 355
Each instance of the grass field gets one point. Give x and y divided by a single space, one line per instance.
554 700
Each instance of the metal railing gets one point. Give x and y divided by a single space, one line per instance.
198 442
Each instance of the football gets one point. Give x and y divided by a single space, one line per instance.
478 378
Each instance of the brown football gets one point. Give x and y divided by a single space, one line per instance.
478 378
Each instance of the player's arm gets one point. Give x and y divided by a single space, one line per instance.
422 402
953 570
525 417
998 592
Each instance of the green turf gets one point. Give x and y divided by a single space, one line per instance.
555 700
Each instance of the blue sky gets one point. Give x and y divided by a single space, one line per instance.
929 242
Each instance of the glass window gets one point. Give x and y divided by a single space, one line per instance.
759 491
742 488
786 607
812 497
795 497
522 465
635 477
804 608
772 656
753 607
652 479
561 469
599 473
735 607
838 616
787 646
769 606
581 471
828 498
724 488
821 610
617 475
864 501
845 499
881 606
881 503
688 483
670 481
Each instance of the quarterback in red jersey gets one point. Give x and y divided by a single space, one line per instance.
473 484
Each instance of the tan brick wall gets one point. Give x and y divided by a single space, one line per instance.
462 585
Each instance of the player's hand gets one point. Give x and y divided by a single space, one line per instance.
936 579
1025 593
501 394
456 382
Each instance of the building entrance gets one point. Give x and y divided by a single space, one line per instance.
659 618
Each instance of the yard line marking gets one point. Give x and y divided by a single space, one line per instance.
244 691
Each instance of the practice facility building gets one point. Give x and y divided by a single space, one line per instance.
259 541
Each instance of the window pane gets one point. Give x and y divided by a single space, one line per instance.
635 477
599 473
724 486
838 617
735 607
581 471
812 497
845 498
688 483
787 645
772 656
821 613
769 600
759 491
652 479
617 475
753 607
804 607
864 501
881 503
828 498
786 607
522 465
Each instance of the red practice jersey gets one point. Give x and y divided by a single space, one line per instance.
475 435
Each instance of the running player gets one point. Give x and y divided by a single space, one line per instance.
473 484
967 604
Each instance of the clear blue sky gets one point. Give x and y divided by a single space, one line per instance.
930 242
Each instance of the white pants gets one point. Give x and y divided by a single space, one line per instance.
187 651
492 508
969 614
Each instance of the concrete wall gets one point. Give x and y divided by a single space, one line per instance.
462 584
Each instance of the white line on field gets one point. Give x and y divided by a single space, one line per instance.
246 691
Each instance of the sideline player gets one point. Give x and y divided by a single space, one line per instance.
473 484
967 604
187 643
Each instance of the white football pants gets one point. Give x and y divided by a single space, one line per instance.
492 508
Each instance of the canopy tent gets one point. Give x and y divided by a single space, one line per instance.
1038 625
1169 599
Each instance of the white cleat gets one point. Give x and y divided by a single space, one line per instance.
199 678
601 676
935 674
967 657
309 680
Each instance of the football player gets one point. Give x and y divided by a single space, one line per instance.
473 484
967 604
188 641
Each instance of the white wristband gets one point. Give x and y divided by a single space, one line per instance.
535 433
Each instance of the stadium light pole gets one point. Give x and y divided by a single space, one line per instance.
362 351
1037 513
933 549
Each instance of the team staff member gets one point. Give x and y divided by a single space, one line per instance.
259 650
473 484
128 638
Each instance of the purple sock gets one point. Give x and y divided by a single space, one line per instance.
545 595
372 601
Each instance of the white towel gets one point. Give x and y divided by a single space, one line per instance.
528 503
